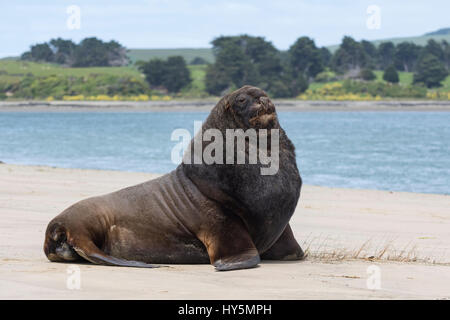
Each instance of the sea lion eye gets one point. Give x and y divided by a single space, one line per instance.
241 99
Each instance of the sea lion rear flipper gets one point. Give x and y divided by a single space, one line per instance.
89 251
285 248
230 246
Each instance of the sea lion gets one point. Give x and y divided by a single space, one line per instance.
229 215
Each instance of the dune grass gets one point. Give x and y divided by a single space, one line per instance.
320 248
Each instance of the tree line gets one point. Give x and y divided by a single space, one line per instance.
253 60
90 52
245 59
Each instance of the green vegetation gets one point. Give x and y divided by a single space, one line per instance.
207 53
188 54
32 80
305 71
242 60
197 88
367 74
391 75
419 40
359 90
430 71
90 52
18 69
198 61
170 75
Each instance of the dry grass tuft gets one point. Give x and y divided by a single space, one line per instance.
319 248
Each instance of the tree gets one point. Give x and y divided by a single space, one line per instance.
63 50
430 71
117 54
217 80
89 52
446 48
406 55
367 74
371 53
39 52
172 74
177 74
198 61
305 58
237 66
326 55
350 56
390 74
154 71
433 47
243 60
386 51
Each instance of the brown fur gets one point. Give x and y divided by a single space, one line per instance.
223 214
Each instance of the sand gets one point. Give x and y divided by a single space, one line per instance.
346 232
205 105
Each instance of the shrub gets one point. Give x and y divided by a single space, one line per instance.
367 74
430 71
390 74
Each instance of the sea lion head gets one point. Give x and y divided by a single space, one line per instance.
56 247
252 108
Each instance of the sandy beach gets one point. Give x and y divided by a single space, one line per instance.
205 105
345 233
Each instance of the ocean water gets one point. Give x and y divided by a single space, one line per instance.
399 151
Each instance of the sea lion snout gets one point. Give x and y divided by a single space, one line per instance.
266 104
263 105
56 247
263 113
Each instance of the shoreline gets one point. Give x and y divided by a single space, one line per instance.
206 105
343 231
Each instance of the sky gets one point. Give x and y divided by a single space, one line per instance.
193 24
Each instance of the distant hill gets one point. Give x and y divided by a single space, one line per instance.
439 32
438 35
206 53
187 53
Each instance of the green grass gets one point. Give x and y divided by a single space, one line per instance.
445 85
12 71
18 69
197 87
317 85
198 74
405 78
187 53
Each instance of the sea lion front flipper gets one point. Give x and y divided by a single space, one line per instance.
285 248
229 245
89 251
